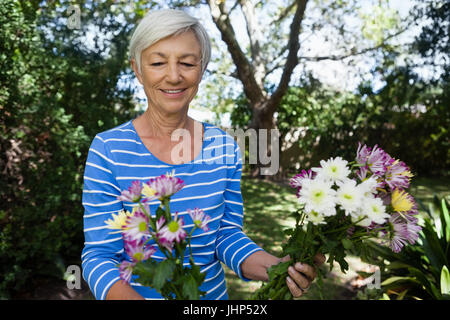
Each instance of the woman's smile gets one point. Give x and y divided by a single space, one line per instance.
173 93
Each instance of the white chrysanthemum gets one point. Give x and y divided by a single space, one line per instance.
375 210
334 169
372 210
369 186
315 218
318 196
361 220
349 196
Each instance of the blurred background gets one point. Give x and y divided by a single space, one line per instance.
326 74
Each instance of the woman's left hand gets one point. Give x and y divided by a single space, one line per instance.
301 275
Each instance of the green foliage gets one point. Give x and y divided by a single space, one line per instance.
304 242
55 95
332 122
408 115
169 277
419 271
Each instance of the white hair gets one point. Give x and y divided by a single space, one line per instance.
157 25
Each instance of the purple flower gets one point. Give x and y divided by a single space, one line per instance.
126 270
404 231
200 218
378 160
172 231
165 186
362 153
397 175
375 159
162 241
136 225
133 194
137 250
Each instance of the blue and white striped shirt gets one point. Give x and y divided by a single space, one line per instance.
212 183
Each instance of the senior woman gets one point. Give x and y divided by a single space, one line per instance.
169 54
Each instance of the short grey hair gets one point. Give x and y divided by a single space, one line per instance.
157 25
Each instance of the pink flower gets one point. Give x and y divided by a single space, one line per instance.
133 194
136 226
165 185
200 218
296 181
126 270
172 231
137 250
162 241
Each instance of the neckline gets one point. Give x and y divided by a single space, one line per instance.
198 157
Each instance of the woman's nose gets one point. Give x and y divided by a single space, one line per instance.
173 73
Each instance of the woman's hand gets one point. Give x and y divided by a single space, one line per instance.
301 275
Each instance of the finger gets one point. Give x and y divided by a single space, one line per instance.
319 259
302 281
307 270
295 290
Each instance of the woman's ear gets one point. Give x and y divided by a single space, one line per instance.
136 70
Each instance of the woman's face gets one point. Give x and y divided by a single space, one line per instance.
171 72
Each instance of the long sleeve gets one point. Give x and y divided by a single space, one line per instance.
233 246
102 249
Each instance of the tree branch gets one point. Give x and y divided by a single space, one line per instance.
244 67
255 36
292 58
353 51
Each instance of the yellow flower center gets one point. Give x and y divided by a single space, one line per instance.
400 201
173 226
139 256
142 226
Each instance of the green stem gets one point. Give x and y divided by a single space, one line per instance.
168 216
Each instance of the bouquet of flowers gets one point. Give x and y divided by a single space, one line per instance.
143 234
342 205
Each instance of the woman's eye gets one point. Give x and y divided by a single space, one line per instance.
188 64
156 64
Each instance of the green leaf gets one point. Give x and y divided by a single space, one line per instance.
397 265
159 213
146 271
397 279
347 243
446 218
385 297
445 280
278 269
402 294
190 288
163 273
432 246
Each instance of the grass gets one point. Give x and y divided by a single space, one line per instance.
267 212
